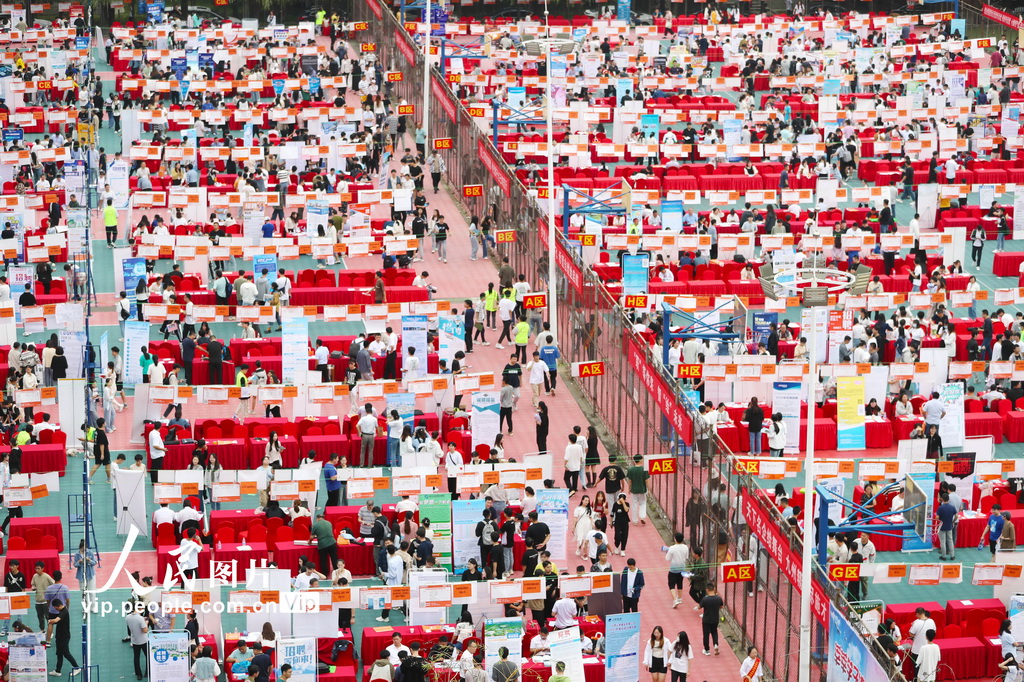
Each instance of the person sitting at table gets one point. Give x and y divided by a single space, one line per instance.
917 432
273 511
297 510
465 661
539 644
381 669
443 651
163 515
303 579
268 637
406 505
872 409
395 648
904 408
242 654
186 514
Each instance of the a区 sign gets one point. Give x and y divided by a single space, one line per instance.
535 301
659 465
586 369
738 572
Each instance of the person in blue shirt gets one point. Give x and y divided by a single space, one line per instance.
332 483
995 528
549 354
268 229
946 514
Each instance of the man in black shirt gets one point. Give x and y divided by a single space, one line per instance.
261 661
442 651
538 532
497 559
508 538
215 349
513 373
414 668
531 557
14 580
710 615
60 628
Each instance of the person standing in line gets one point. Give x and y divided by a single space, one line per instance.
754 416
504 670
138 635
368 427
927 659
637 476
945 514
620 523
573 464
59 627
710 615
919 632
677 556
631 585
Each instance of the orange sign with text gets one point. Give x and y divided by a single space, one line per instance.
588 369
470 191
657 466
535 300
635 301
443 143
690 371
505 236
844 572
368 47
737 572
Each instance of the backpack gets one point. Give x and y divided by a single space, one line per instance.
485 533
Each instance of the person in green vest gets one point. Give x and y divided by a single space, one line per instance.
491 306
110 222
320 14
637 476
242 382
522 337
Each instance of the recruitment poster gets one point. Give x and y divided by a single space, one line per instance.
951 428
414 336
294 350
850 412
508 633
301 655
622 647
169 659
465 515
565 647
485 416
438 508
786 397
849 659
553 509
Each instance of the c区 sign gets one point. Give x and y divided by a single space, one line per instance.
738 572
586 369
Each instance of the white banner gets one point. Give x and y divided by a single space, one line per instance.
485 417
786 397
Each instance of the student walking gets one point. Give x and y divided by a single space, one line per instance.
710 615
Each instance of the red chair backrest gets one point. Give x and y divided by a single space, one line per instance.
332 429
257 534
301 526
48 542
15 544
990 627
33 538
225 534
951 632
985 503
165 534
284 535
213 432
1008 501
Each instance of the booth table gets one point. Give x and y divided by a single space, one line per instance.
358 558
325 446
969 530
201 372
960 654
348 515
904 615
825 434
256 554
902 426
957 610
877 434
984 424
376 639
233 453
591 626
39 459
1013 427
239 519
165 560
1007 264
28 558
49 525
290 457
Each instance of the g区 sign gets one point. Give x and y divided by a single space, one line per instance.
844 572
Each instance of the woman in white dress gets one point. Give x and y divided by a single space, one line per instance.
584 515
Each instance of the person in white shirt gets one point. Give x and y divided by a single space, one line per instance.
529 501
406 505
163 515
157 450
919 629
395 648
564 612
187 513
411 366
677 557
680 654
302 580
866 548
539 643
538 374
751 669
573 464
928 658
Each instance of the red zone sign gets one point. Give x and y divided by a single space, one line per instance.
440 93
493 167
788 561
405 48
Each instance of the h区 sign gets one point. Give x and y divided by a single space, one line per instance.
586 369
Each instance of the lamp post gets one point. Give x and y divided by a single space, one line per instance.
426 79
814 285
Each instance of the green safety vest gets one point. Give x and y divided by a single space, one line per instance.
491 300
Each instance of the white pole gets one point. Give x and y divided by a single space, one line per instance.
552 246
426 82
810 512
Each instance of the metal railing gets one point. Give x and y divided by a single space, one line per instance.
703 498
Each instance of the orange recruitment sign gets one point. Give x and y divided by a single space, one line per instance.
443 143
470 191
690 371
738 572
658 465
505 236
588 369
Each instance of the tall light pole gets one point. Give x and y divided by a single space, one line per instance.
426 79
814 285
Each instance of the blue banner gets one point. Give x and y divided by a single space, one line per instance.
133 269
635 273
650 126
624 9
919 491
761 326
414 335
278 84
192 58
136 335
179 66
12 134
672 214
553 509
623 88
206 60
264 261
622 647
849 659
314 84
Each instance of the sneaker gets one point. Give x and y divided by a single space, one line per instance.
54 673
381 619
675 603
484 343
942 558
499 346
707 653
75 671
717 652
